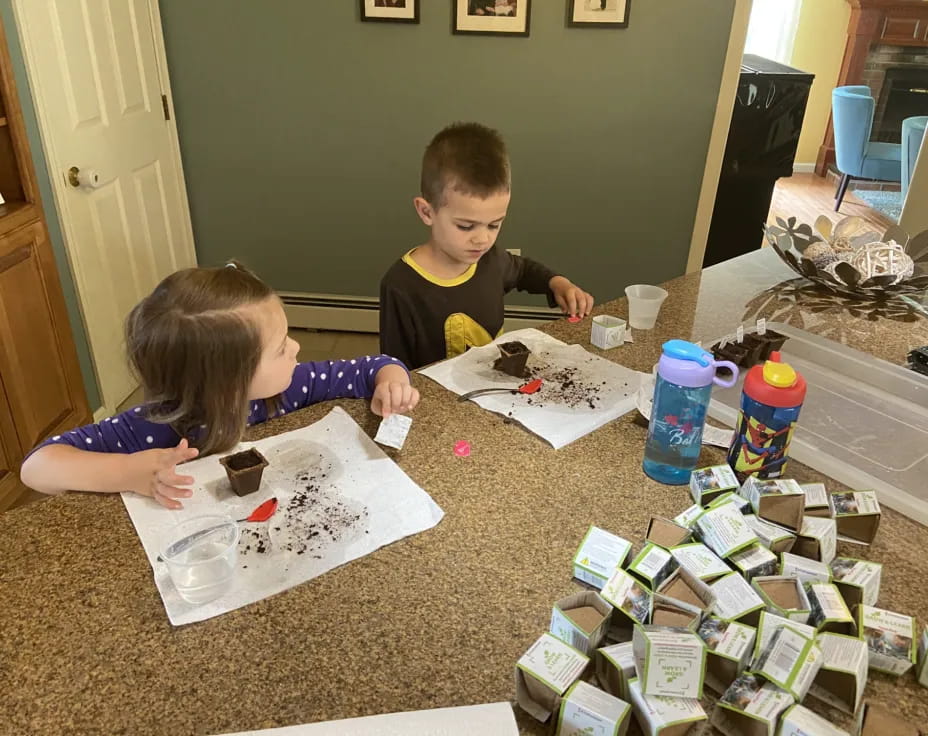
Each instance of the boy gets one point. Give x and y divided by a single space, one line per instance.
446 296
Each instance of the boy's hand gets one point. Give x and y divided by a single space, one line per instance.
570 297
154 474
393 393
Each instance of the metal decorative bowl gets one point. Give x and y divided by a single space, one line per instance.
851 260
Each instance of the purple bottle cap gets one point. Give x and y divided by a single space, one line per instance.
686 364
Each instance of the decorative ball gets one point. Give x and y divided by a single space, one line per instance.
821 254
883 259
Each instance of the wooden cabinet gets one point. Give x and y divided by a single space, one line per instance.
41 391
903 29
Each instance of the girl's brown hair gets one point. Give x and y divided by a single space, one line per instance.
195 352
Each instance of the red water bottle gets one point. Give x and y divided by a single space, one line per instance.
770 403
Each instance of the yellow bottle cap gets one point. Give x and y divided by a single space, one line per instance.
780 375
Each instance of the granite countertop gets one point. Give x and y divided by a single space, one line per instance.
435 620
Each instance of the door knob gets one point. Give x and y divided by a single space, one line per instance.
86 178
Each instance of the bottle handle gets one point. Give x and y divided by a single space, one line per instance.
725 383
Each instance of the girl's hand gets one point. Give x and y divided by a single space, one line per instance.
392 392
154 474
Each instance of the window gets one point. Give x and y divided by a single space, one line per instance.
772 29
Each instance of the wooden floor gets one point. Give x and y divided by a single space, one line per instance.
806 196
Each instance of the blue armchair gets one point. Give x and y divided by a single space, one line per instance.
913 133
858 157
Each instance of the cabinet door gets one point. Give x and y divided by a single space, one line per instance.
901 29
10 455
38 362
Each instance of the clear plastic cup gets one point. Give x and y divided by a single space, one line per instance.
644 302
201 554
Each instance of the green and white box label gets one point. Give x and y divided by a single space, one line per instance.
653 563
751 696
768 534
599 555
816 495
754 489
827 605
724 530
890 638
628 595
734 597
845 654
727 639
588 711
855 503
770 624
669 662
657 712
700 561
714 479
859 573
755 560
790 661
804 569
825 531
800 721
686 518
553 662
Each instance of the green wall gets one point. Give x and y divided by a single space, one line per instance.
302 129
48 202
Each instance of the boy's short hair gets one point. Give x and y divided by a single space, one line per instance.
469 157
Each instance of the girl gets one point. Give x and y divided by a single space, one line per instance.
211 350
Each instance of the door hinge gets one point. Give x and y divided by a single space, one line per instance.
164 104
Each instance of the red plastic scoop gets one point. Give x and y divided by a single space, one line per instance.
527 388
530 387
264 512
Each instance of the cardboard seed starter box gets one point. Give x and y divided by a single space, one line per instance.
744 506
773 537
708 483
736 600
687 590
599 555
728 651
660 715
890 637
921 673
581 620
804 569
816 500
781 501
724 530
615 668
843 676
688 517
589 711
755 561
630 598
666 533
544 673
770 624
876 720
817 540
750 707
783 596
652 565
701 561
857 514
790 661
829 611
669 662
858 580
800 721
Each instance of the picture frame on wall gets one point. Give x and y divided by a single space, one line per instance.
492 17
391 11
598 13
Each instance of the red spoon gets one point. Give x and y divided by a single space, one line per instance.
264 512
528 388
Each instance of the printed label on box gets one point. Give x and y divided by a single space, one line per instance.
844 654
804 569
755 560
770 624
724 530
855 503
730 497
621 655
588 711
689 516
700 561
661 711
728 639
653 563
553 662
763 700
628 595
826 605
825 531
788 661
768 534
669 662
707 481
890 638
800 721
599 555
734 597
860 573
754 488
816 495
564 628
922 675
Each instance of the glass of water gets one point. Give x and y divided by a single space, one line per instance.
202 556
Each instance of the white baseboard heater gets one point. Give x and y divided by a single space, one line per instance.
343 313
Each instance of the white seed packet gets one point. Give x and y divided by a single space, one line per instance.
600 554
700 561
806 570
393 430
735 598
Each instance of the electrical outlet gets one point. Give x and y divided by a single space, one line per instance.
515 251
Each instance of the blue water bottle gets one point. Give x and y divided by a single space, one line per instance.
685 374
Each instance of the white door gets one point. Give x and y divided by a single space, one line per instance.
98 75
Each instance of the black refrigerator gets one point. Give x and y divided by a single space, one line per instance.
762 140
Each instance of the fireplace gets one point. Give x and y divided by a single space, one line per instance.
904 93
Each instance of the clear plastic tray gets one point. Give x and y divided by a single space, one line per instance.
864 421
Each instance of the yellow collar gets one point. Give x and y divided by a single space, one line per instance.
456 281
